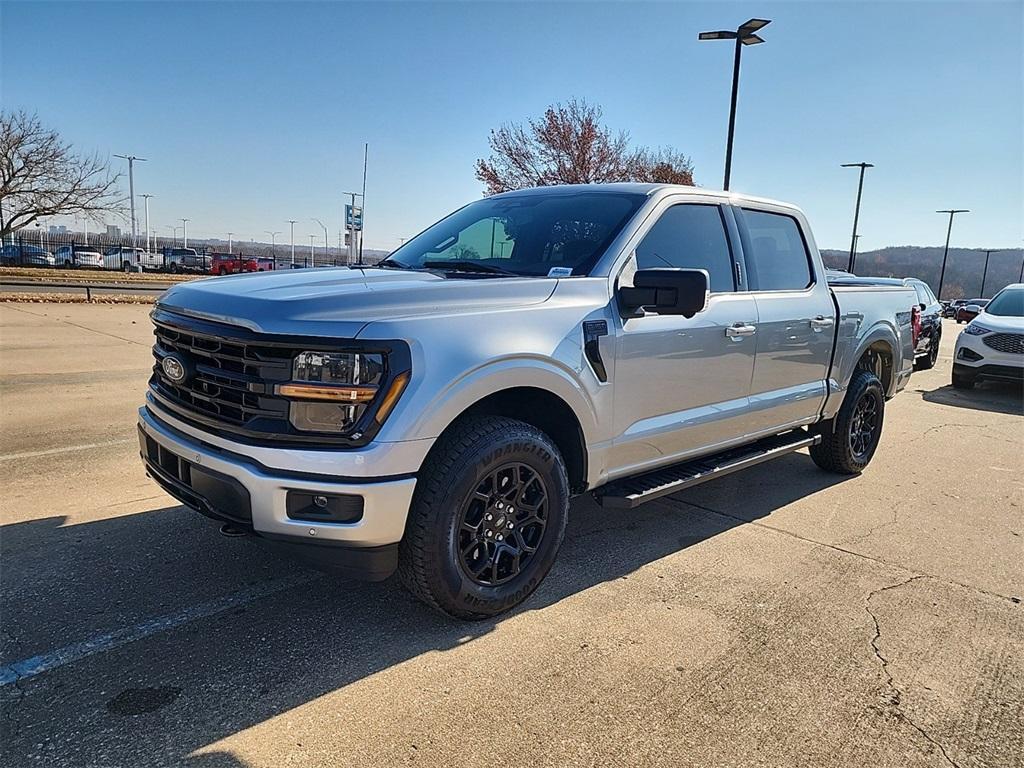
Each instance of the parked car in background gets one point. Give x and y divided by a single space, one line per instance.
226 264
14 255
969 310
435 413
185 260
266 264
81 256
129 259
953 306
992 344
930 337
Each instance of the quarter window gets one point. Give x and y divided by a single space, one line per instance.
777 257
689 237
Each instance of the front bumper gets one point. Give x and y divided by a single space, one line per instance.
229 486
973 358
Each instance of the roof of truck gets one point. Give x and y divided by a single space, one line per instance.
642 189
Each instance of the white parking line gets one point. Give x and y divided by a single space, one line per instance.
65 449
37 665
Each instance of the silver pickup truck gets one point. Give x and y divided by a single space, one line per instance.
435 414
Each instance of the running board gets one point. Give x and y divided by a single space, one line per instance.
633 491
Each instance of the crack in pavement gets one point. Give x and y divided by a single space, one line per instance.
896 699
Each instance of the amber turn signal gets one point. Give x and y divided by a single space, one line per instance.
394 392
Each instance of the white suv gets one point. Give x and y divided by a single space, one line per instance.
992 344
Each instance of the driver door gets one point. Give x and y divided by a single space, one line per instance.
681 385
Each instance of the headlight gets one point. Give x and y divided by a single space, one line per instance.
331 390
973 329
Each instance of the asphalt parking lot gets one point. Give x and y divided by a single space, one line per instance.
778 617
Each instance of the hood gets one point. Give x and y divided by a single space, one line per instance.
340 302
999 322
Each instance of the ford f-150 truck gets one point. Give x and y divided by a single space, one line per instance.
435 414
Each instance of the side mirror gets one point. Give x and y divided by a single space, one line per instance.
666 292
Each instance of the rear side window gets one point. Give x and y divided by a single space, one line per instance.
922 294
689 236
777 257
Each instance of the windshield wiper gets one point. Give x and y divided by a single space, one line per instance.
389 264
465 265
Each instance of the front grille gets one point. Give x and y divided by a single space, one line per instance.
232 380
1011 343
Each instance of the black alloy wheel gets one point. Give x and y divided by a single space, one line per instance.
864 427
502 524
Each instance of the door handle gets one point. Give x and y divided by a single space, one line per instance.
739 330
821 322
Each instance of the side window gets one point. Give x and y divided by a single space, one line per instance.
777 258
922 294
690 236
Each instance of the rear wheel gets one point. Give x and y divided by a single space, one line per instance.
487 518
126 266
848 441
174 267
222 271
927 362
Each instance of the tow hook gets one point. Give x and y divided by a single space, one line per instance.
232 531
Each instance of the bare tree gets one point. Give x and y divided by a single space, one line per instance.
569 145
41 175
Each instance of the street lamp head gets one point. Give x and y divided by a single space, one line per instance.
752 25
856 165
752 40
720 35
955 210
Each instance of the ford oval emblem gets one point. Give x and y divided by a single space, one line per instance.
174 369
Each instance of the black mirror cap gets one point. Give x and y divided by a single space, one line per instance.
666 292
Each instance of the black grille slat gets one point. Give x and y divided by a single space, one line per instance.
1010 343
231 381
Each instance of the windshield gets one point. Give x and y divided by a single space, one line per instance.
1009 302
526 235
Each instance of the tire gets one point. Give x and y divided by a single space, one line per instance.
222 271
960 381
840 450
173 268
444 542
127 267
927 362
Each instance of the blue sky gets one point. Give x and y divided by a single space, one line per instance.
254 113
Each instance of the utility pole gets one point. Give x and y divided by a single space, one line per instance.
230 235
743 35
131 189
856 210
146 198
945 253
292 223
184 232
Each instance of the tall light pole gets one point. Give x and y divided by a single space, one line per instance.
984 274
362 209
312 256
744 35
856 211
327 243
174 232
291 222
942 275
131 188
184 232
273 241
146 198
230 242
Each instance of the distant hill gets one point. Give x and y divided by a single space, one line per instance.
963 267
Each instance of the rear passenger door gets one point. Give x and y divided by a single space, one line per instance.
796 320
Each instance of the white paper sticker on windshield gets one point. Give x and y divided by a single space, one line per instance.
560 272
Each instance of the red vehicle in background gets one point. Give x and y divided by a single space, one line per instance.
226 264
969 310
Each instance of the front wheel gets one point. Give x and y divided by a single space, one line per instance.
487 518
126 266
848 442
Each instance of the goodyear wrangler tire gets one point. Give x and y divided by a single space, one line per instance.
848 441
487 518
